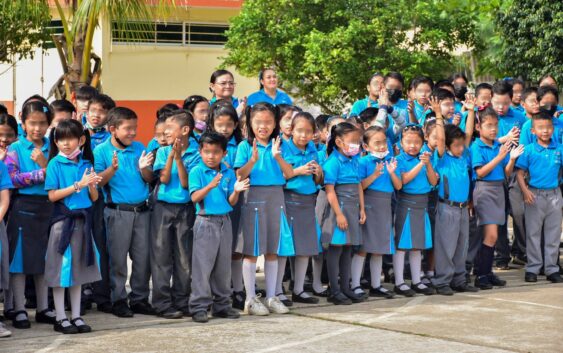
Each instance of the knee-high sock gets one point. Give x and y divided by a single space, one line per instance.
484 263
249 275
41 292
17 284
271 274
357 269
8 299
301 263
345 268
317 272
375 266
282 260
75 294
399 267
59 299
333 267
236 275
415 259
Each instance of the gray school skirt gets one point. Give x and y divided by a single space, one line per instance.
412 222
301 216
349 199
377 233
263 225
70 268
489 203
4 257
235 223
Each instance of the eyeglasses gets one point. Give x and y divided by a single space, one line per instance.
226 83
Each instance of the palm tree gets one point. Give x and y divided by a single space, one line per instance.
79 20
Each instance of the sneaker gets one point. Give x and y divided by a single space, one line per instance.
530 277
121 309
483 282
4 332
228 313
171 313
275 306
444 290
200 316
238 300
502 266
143 307
465 288
381 292
520 261
555 278
254 306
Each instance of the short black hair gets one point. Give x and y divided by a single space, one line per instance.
62 105
483 86
183 117
3 109
85 93
118 115
369 114
213 138
542 115
443 84
442 94
396 76
104 100
322 121
488 113
453 133
372 130
422 80
168 107
543 90
528 91
10 120
35 98
502 88
516 81
192 101
458 75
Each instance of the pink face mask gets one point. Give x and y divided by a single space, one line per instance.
71 155
353 149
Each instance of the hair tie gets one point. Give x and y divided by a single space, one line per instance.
45 109
294 114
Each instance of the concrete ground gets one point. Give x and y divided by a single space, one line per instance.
522 317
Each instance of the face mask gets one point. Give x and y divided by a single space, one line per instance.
71 155
460 91
394 95
200 125
353 149
380 155
94 129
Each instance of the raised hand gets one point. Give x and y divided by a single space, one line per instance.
242 185
145 160
516 152
425 157
379 168
383 97
254 158
276 149
3 153
177 147
391 165
435 105
215 181
469 102
505 148
456 119
38 157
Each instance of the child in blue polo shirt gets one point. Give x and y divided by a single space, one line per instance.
71 254
341 228
126 170
5 186
172 217
491 162
542 161
510 121
96 118
374 87
28 222
422 89
214 189
199 107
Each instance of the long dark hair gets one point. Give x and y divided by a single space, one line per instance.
70 128
36 106
249 113
339 130
222 107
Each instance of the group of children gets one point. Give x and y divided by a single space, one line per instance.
226 181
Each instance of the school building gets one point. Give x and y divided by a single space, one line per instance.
174 60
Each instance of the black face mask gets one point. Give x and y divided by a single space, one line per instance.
550 109
460 91
394 95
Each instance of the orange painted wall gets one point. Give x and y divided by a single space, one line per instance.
9 105
146 112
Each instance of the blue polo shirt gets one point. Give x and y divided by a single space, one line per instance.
361 105
542 163
5 181
127 184
234 101
98 138
463 119
216 202
454 177
23 147
62 173
527 137
420 113
481 154
339 169
262 97
420 184
382 183
232 146
173 192
519 108
402 103
508 121
153 145
458 106
266 171
302 184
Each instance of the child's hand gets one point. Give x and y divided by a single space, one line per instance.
341 222
383 97
505 149
114 161
3 153
513 134
316 168
177 147
378 169
276 150
215 181
391 165
38 157
255 156
529 197
470 100
435 105
242 185
89 178
145 160
410 106
456 119
304 170
516 152
363 216
425 158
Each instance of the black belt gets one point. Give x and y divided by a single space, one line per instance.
453 203
141 207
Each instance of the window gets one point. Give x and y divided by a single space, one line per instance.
180 34
55 27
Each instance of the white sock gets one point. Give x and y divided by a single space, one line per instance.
271 274
249 275
59 300
399 268
279 279
429 273
75 294
236 275
357 269
415 259
301 263
17 284
41 292
375 266
317 271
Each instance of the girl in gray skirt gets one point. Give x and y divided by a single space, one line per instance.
72 257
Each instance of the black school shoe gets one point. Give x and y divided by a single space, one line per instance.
339 299
67 330
417 287
238 300
530 277
143 307
200 316
285 301
496 281
355 298
406 292
363 294
42 317
121 309
228 313
104 307
555 278
324 294
299 298
21 324
10 314
483 282
171 313
444 290
83 328
381 292
465 288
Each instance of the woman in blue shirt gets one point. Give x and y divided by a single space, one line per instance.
269 92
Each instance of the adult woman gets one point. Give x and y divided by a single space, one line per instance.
269 92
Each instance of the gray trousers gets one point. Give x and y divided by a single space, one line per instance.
128 233
211 264
170 224
544 213
518 224
450 245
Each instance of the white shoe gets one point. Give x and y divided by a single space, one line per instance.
275 306
4 332
254 306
